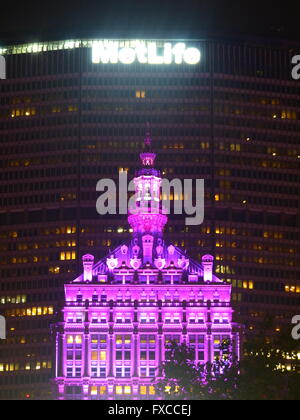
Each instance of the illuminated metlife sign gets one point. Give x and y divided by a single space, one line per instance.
144 52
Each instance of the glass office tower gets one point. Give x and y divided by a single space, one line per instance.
232 119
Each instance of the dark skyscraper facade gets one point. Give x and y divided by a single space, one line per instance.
231 118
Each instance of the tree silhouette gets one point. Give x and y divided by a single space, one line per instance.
269 371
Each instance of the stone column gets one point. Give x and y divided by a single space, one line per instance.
111 356
86 370
209 347
60 360
159 347
134 365
86 367
135 355
110 386
60 340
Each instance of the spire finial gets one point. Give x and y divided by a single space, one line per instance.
148 139
148 156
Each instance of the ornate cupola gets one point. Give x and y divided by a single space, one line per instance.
146 215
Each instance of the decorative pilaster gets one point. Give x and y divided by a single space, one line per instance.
63 355
60 337
160 349
111 356
135 355
86 370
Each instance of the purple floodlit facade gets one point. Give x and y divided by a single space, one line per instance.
121 313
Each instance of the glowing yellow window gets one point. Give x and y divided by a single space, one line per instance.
94 390
119 390
151 390
102 390
119 339
70 339
103 356
94 355
127 390
1 367
140 94
143 390
78 339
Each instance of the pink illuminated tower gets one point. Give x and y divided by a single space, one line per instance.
122 312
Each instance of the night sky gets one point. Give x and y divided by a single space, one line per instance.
41 20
